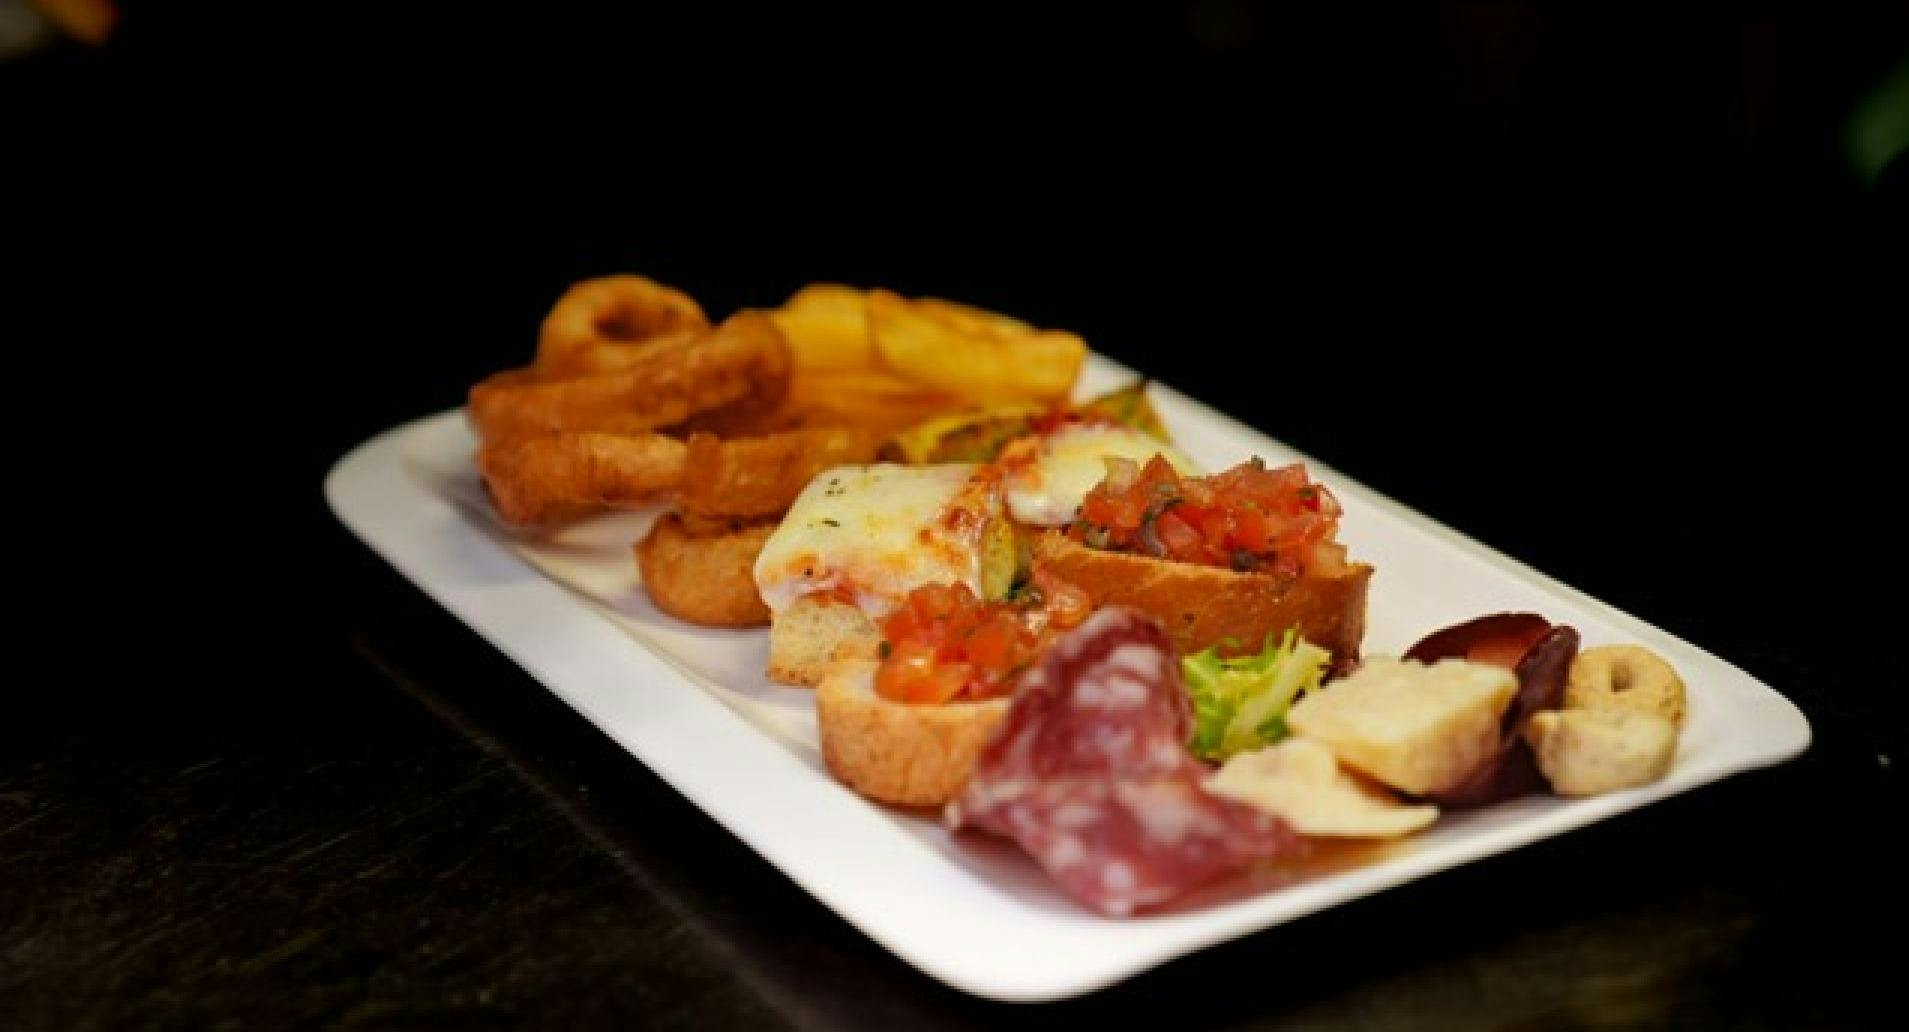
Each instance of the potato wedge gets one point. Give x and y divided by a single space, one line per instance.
875 383
973 353
861 399
867 399
827 327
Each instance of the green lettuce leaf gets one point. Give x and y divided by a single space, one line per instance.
1240 704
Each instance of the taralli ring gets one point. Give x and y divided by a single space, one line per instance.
1625 677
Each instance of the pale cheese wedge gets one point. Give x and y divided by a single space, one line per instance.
1417 728
1300 781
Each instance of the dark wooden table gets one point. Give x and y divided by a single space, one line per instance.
371 815
250 777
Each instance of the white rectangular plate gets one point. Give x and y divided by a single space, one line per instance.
692 704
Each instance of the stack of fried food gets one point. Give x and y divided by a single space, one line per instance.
634 397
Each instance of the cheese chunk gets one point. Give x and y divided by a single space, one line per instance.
1300 781
1049 476
1417 728
871 534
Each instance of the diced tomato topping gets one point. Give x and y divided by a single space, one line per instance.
1067 605
909 671
1177 536
1251 529
991 645
1246 518
943 644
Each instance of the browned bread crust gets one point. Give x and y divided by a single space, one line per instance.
908 755
1203 606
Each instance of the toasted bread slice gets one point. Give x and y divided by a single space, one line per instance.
895 752
1203 606
810 636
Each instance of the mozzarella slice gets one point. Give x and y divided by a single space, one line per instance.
1300 781
875 533
1048 477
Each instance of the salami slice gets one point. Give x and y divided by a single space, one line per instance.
1090 773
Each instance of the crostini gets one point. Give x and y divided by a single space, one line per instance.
858 540
906 728
1223 561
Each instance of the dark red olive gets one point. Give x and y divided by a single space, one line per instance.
1500 639
1541 676
1509 774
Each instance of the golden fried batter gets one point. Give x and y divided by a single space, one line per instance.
543 478
828 398
608 323
761 476
706 580
743 359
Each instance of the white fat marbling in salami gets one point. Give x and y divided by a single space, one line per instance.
1090 773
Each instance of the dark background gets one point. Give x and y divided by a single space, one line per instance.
1595 284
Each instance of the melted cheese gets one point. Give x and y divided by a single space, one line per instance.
1048 477
874 533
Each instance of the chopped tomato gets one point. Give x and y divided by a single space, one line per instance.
1176 535
944 644
1252 530
908 672
947 681
1245 518
991 645
1067 605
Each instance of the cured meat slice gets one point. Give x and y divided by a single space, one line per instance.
1090 773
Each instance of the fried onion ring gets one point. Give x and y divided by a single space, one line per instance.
605 324
761 476
705 579
745 358
544 478
869 400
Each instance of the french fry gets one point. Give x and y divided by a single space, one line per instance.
827 327
874 383
973 353
868 399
